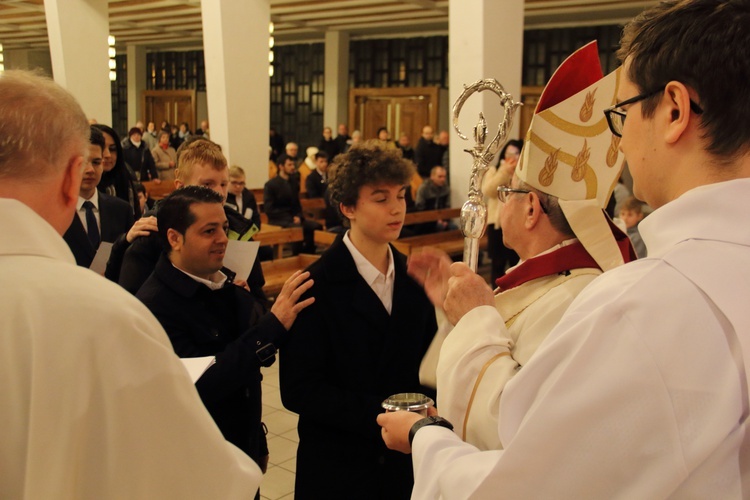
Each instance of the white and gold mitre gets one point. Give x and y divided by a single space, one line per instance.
570 152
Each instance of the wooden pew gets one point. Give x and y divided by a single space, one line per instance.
314 209
276 272
451 242
324 238
431 216
158 191
277 236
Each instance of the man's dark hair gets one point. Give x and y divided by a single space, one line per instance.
281 160
174 210
97 138
704 44
321 154
368 164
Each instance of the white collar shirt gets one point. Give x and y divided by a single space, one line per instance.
381 284
216 284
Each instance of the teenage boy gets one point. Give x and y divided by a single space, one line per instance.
631 214
98 217
361 341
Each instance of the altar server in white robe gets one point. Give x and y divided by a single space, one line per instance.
94 403
641 391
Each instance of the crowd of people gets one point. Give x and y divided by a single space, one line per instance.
588 370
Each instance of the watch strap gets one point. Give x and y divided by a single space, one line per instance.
433 420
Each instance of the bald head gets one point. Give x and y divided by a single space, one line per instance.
44 138
39 120
427 133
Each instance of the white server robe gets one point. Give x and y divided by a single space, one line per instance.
641 391
94 402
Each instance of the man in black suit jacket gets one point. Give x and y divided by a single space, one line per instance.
317 181
360 342
110 217
206 314
428 153
282 205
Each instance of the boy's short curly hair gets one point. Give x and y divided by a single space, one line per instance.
368 164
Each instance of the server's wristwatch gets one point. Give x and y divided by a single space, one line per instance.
435 420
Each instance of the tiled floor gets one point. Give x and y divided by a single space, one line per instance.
278 482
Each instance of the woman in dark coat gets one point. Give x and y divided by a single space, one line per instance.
117 179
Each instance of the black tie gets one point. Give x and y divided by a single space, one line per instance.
93 228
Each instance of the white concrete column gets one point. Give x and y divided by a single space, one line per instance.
78 31
136 83
485 41
336 79
235 42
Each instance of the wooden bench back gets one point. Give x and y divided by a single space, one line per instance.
278 237
276 272
158 191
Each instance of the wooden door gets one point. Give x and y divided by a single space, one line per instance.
529 97
398 109
174 106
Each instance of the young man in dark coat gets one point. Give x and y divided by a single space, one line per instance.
361 342
200 162
206 313
282 205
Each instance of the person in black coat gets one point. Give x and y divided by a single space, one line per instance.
206 314
282 205
115 217
118 178
199 163
328 144
360 342
316 182
138 156
240 198
428 153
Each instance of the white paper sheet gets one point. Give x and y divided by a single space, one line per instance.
99 264
198 366
240 257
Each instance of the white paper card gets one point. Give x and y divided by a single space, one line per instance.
198 366
240 257
99 264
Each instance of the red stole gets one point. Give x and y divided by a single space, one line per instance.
566 258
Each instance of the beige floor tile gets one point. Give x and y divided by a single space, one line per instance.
290 465
277 483
281 421
267 410
291 435
281 449
274 368
272 379
290 496
272 398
